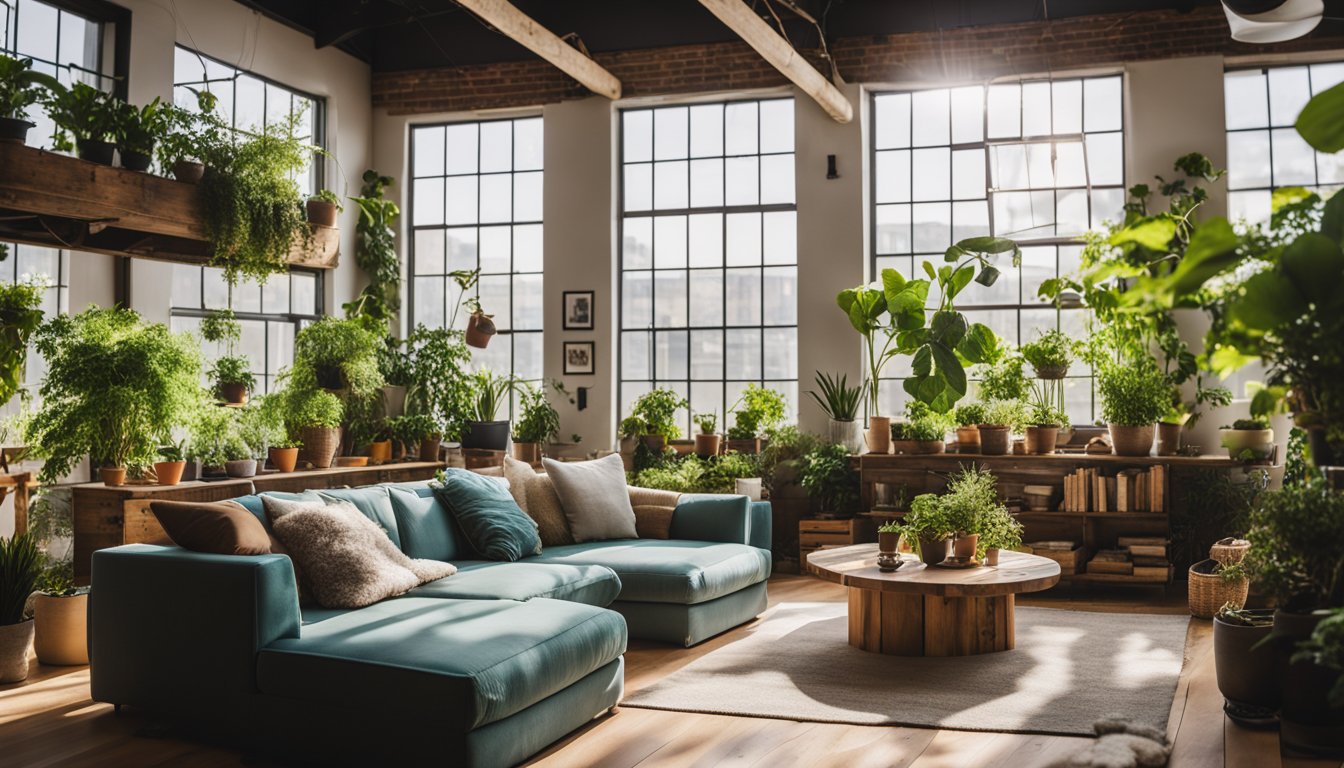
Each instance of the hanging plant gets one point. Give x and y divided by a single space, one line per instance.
376 252
19 319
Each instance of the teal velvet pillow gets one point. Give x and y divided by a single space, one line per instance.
488 516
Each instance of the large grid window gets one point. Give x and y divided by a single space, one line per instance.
476 203
1040 162
273 312
709 277
1264 150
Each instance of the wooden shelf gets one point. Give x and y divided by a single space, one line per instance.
1050 460
58 201
1114 578
1097 515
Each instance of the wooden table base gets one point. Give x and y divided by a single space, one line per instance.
903 624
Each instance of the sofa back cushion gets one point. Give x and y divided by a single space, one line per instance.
373 502
595 498
252 502
490 520
427 529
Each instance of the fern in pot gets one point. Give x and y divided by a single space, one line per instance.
840 402
538 423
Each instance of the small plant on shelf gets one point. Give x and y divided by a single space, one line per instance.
1050 354
838 400
231 373
655 414
970 415
328 197
1133 395
829 478
538 420
1005 413
757 411
1003 379
85 117
138 129
707 423
20 88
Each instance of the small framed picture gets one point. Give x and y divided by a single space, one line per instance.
578 310
579 358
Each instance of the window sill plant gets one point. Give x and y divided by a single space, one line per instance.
169 471
653 419
89 116
1002 419
968 417
20 88
323 208
1050 355
707 440
757 411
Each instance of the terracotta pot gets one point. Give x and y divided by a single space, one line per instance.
878 436
240 468
992 556
968 439
169 472
352 461
15 640
903 447
963 547
320 445
1041 440
929 446
188 171
1169 438
995 440
1132 441
934 551
283 459
429 448
61 634
888 541
135 161
380 451
480 329
1019 447
846 433
233 394
1246 673
528 452
95 151
112 476
682 447
321 213
1259 442
1307 722
745 446
1052 372
707 445
14 130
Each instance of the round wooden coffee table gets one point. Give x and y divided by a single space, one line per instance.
920 610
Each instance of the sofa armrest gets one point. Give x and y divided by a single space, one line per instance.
167 624
726 518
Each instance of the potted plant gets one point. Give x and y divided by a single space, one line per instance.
137 131
888 546
928 528
1002 419
968 418
1050 354
1245 664
87 114
1133 397
338 355
376 254
829 478
20 567
20 88
756 411
999 530
972 497
927 432
538 424
114 384
1248 439
484 429
20 317
840 402
60 618
186 138
707 440
654 418
323 208
169 471
1324 651
210 430
1044 420
418 432
315 416
231 373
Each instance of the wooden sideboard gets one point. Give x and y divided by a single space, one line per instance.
106 516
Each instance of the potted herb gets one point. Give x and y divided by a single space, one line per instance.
1133 397
231 373
968 418
20 317
1244 663
169 470
323 208
340 356
87 114
1045 417
840 402
1050 354
538 424
972 497
707 439
654 418
756 411
20 567
484 429
927 432
1248 439
419 432
114 384
888 546
137 131
186 137
20 88
929 529
999 530
829 478
315 417
60 618
1003 379
210 430
1002 419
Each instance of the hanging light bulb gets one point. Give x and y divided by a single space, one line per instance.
1272 21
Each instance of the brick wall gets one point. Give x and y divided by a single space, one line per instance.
963 54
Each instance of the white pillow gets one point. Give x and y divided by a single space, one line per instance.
595 497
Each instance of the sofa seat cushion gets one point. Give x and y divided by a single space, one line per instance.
468 662
484 580
669 570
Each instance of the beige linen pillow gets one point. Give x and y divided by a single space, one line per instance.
594 497
544 507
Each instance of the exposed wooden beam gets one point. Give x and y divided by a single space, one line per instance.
776 50
517 25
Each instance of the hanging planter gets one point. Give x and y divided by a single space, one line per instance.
480 329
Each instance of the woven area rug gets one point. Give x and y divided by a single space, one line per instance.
1069 669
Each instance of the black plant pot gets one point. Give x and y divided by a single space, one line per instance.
1308 724
13 129
135 161
487 435
1246 673
95 151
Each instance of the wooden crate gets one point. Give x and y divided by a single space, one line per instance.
1069 561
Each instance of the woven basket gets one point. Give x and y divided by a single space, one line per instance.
1229 550
1209 591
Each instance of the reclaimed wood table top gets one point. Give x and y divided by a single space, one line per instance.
856 566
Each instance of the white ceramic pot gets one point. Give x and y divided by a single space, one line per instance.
846 433
749 486
62 634
15 642
1259 442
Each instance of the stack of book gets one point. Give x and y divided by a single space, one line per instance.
1112 561
1066 553
1149 556
1129 490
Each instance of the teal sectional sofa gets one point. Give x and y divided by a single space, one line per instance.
483 668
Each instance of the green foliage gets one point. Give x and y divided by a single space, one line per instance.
232 370
692 474
20 566
655 413
970 414
1295 554
787 447
212 438
138 130
838 400
757 411
1005 413
829 478
1052 350
20 317
923 429
1133 395
312 408
376 252
1004 379
707 423
538 421
492 392
222 325
411 428
1250 424
21 87
114 385
1321 121
327 196
337 354
81 112
440 384
191 135
58 579
928 518
1325 648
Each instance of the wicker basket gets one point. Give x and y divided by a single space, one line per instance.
1209 591
1229 550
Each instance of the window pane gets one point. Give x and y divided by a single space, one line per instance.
669 242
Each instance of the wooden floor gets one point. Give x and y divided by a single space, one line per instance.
50 721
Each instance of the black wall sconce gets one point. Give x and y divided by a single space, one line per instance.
831 173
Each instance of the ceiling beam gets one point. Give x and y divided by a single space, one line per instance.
517 25
776 50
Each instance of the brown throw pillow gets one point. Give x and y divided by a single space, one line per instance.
543 506
653 521
221 528
347 560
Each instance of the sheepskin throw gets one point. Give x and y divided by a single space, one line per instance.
347 560
595 498
1121 744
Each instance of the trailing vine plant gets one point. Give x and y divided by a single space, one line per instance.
376 252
